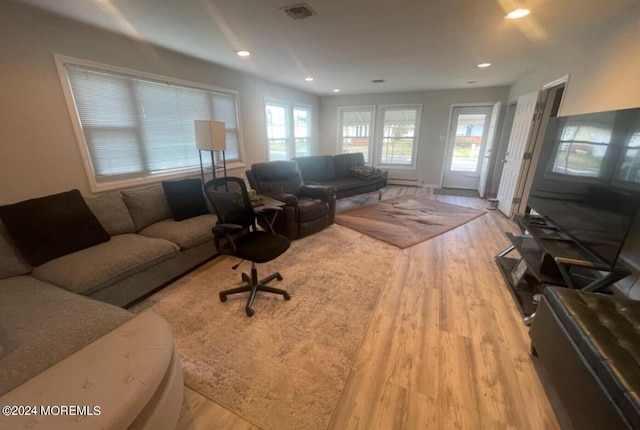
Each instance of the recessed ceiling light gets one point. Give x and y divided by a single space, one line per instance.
484 65
243 53
518 13
308 79
336 90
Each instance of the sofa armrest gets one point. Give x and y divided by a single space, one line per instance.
288 199
317 192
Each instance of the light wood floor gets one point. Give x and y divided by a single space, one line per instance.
446 347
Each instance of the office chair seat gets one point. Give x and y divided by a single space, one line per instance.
260 246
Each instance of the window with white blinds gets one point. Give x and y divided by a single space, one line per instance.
136 127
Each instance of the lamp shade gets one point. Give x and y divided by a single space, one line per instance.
210 135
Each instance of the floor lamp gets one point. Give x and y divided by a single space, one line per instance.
211 136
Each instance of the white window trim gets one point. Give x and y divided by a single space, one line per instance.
379 135
373 108
62 60
289 108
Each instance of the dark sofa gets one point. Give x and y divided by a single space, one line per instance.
338 171
589 344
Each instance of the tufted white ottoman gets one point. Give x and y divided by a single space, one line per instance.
128 379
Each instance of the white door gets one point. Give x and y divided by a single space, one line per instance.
522 121
484 169
466 145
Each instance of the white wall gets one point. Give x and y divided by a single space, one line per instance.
39 154
603 69
436 112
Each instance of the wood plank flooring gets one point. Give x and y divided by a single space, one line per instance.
446 347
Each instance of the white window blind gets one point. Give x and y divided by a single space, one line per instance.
136 127
399 135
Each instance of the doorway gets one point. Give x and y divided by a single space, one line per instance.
466 146
530 122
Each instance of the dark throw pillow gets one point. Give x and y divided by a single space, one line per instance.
366 172
50 227
185 198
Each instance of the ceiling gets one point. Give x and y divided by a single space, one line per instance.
410 44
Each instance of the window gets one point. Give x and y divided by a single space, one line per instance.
392 139
136 126
356 127
283 122
399 135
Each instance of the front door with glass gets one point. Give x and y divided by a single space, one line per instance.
466 146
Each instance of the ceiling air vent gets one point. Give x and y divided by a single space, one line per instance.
299 11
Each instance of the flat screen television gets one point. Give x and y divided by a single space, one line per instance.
587 180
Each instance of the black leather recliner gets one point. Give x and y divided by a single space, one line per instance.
309 208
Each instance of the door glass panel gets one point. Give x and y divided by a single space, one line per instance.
466 149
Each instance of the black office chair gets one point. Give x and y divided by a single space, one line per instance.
237 234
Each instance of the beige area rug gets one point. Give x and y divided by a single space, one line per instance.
285 367
406 220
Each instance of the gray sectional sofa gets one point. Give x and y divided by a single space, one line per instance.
64 336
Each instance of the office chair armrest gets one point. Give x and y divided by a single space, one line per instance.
223 229
317 192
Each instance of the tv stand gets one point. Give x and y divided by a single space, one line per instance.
548 257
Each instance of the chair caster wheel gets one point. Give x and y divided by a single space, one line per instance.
286 296
223 298
279 277
250 312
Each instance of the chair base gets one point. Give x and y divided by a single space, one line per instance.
253 286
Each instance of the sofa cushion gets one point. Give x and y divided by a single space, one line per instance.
12 263
44 324
48 227
146 205
112 213
186 234
185 198
95 268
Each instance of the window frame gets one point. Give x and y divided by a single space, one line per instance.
379 136
290 139
62 61
372 127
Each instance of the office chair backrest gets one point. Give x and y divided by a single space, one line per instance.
230 200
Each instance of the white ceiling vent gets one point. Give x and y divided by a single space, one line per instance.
299 11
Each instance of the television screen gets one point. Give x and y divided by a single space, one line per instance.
587 180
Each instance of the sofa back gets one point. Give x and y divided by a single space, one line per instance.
316 168
12 263
343 163
275 177
322 168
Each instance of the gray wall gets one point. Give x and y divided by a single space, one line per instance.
436 112
39 154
